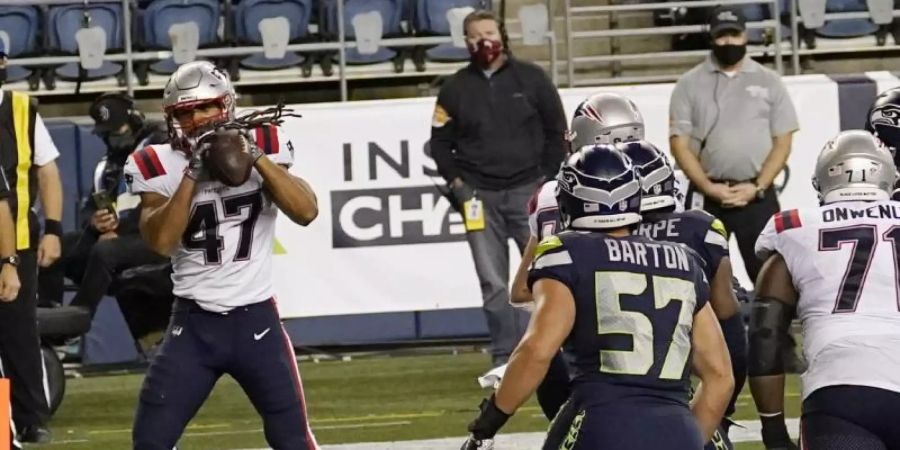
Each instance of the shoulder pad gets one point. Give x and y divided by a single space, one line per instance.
548 244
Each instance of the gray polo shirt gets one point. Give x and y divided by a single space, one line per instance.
736 115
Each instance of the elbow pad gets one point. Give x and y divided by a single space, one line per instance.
770 321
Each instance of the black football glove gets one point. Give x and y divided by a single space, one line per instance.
775 434
485 426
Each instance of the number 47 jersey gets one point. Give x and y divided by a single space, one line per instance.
224 259
843 259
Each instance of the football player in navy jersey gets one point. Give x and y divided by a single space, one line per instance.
603 118
883 121
630 312
704 234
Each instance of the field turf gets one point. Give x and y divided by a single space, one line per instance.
366 399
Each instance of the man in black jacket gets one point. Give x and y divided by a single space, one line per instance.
498 131
110 241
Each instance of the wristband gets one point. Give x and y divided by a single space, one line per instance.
53 227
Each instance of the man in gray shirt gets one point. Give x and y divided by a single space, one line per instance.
730 126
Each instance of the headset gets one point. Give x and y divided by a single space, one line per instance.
501 25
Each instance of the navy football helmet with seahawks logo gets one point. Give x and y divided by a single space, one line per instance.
657 175
883 120
598 188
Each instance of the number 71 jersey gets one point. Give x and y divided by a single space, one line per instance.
843 259
224 259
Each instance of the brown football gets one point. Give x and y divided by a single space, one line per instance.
227 160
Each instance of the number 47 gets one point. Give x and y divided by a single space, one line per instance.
864 240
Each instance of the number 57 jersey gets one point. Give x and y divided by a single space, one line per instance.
635 301
224 259
843 259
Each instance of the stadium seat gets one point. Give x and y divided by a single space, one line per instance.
250 14
159 18
390 13
64 23
19 31
760 12
846 28
430 19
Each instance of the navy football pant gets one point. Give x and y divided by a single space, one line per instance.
620 427
850 418
249 344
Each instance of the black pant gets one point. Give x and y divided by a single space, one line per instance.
746 222
93 264
76 247
108 258
21 348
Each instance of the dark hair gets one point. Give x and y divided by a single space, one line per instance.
486 14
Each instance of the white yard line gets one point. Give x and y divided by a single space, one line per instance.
746 431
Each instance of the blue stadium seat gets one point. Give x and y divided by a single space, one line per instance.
249 13
391 13
760 12
847 28
20 24
65 21
431 20
160 15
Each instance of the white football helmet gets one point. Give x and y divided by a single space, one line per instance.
194 84
854 166
605 118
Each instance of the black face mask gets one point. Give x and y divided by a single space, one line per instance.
120 144
729 54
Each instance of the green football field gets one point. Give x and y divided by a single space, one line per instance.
366 399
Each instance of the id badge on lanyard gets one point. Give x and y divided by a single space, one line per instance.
473 214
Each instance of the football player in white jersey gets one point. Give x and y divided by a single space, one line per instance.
603 118
835 266
220 239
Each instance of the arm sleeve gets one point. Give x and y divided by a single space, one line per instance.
680 118
553 119
552 260
45 150
444 136
783 118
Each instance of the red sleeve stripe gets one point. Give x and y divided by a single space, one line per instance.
267 139
148 163
787 220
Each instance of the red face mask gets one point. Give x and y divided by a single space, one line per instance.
485 51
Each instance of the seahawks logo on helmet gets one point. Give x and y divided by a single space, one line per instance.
887 115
